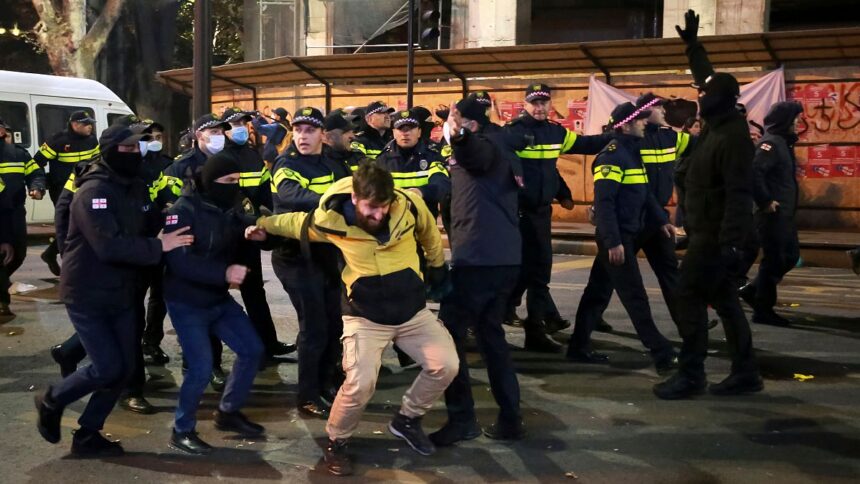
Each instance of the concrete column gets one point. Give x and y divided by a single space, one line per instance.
717 17
318 33
483 23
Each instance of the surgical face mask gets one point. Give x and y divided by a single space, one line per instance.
143 147
154 146
239 134
215 143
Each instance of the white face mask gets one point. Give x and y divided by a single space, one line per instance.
154 146
143 147
215 144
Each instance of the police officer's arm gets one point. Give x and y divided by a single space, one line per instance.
34 174
185 262
654 211
427 233
61 213
47 152
564 192
736 166
93 211
607 182
474 153
293 191
582 144
289 225
764 161
438 183
358 147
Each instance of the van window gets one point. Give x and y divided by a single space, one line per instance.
17 116
52 119
113 117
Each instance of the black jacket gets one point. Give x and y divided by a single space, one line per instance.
62 152
298 181
196 274
660 149
348 158
420 168
185 170
774 164
19 172
623 201
484 200
255 179
538 145
6 213
105 246
370 143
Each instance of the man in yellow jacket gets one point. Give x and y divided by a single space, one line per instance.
376 227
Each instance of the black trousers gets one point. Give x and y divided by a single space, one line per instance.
254 298
54 190
627 282
660 252
315 294
780 252
19 245
479 300
536 271
705 280
156 309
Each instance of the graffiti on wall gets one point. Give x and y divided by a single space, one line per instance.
830 129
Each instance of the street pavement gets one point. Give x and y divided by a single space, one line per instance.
590 424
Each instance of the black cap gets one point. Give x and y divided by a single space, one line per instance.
538 91
649 99
336 120
118 134
404 118
4 125
283 113
357 112
483 97
471 108
207 121
154 125
624 113
235 114
377 107
422 114
312 116
721 83
85 117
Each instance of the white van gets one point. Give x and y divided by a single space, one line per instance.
36 106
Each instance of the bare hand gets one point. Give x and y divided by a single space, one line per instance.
773 207
256 233
616 255
455 121
669 231
567 204
175 239
8 253
236 274
36 194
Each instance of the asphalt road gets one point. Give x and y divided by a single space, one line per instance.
585 423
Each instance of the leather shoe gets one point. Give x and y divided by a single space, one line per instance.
218 380
337 461
189 443
666 363
511 319
280 349
49 417
770 318
679 386
314 408
137 404
538 341
587 356
92 445
453 432
737 384
502 431
50 258
66 367
554 325
154 355
603 326
747 294
236 422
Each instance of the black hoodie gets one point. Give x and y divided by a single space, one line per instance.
774 165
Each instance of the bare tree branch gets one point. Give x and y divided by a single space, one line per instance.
98 35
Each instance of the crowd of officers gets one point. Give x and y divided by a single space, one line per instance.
347 204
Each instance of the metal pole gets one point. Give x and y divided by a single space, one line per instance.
202 82
410 54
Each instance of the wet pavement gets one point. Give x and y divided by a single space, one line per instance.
586 423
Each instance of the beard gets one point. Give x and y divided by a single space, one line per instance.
369 225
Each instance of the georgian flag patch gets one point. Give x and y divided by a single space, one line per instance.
171 220
766 147
99 203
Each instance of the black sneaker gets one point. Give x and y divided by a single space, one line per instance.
236 422
511 319
679 386
770 318
153 355
554 325
66 367
92 445
49 256
505 431
538 341
280 349
337 461
189 443
49 417
737 384
137 404
409 429
586 356
665 363
218 380
453 432
603 326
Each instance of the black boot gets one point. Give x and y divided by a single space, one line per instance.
49 256
537 339
453 432
154 355
679 386
770 318
280 348
90 444
66 366
555 324
218 380
409 429
314 408
49 417
337 461
603 326
738 383
666 362
586 356
505 431
137 403
189 443
511 319
236 422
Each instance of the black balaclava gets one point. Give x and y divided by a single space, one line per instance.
780 118
124 164
721 92
224 195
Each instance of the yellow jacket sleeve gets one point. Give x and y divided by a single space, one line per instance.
289 225
427 233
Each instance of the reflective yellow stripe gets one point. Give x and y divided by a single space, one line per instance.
11 167
446 151
31 167
47 152
284 174
175 185
682 143
70 184
356 146
159 184
77 156
2 185
367 152
353 168
634 176
569 140
608 172
540 152
266 175
664 155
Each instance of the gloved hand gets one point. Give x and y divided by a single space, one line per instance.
690 34
731 258
438 282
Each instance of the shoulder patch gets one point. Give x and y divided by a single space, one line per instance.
605 170
99 203
171 220
766 146
611 147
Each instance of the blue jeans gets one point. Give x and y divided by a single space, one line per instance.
227 321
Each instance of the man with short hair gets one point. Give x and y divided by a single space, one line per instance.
377 228
339 134
376 132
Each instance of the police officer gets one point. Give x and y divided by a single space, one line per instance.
255 185
301 175
376 132
7 251
338 136
539 142
775 193
197 281
109 213
412 164
719 205
486 254
61 152
21 176
623 207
